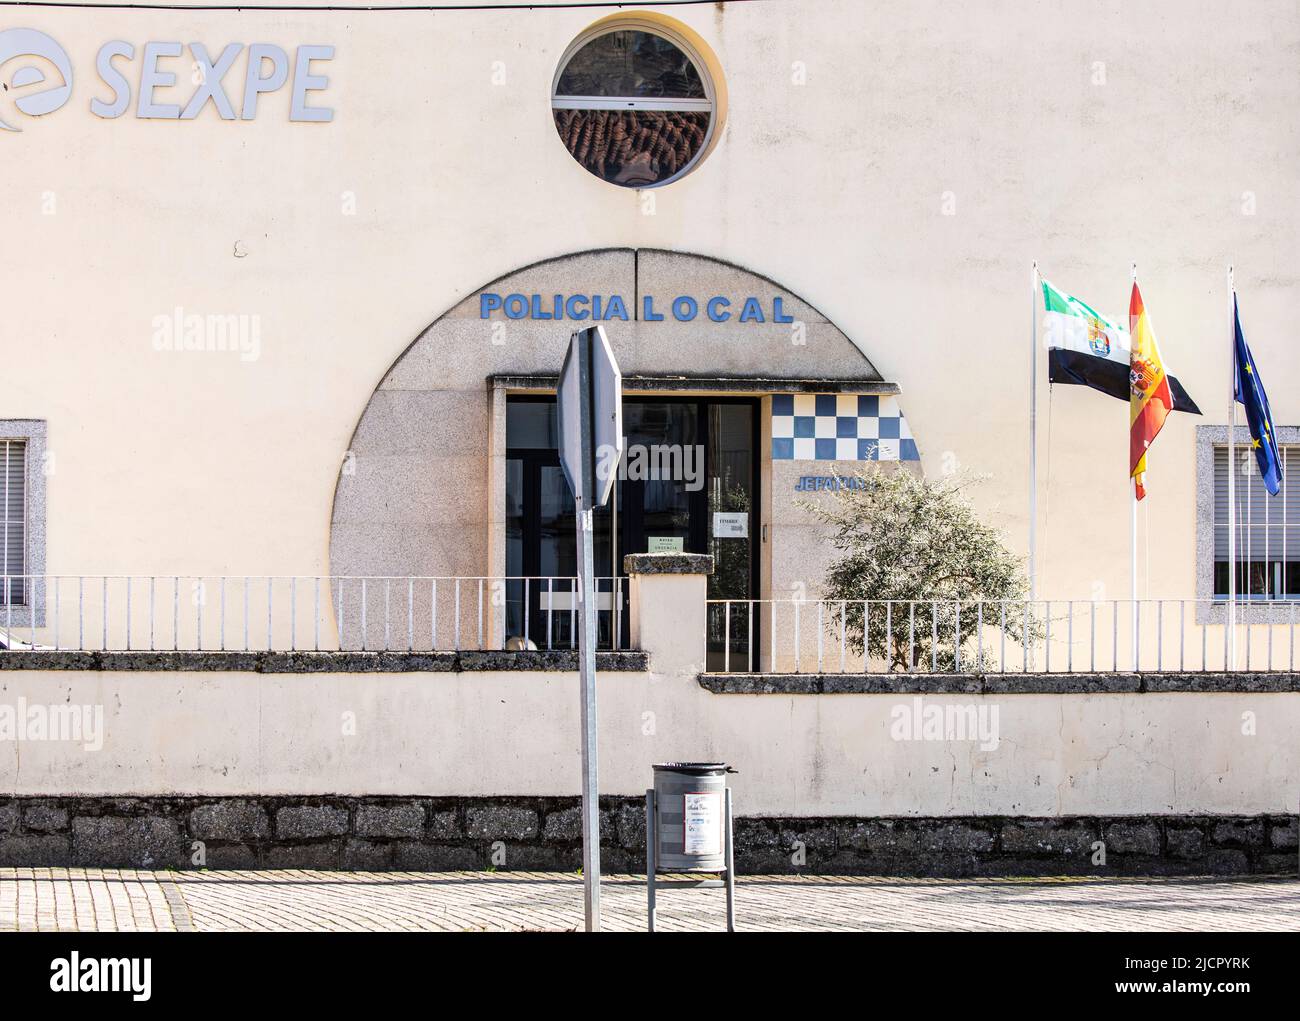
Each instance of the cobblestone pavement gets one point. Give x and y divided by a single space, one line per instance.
130 900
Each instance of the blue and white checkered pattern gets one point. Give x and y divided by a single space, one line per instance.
840 427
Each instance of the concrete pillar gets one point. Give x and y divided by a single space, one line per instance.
496 517
667 593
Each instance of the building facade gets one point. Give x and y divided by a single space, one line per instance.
276 322
287 293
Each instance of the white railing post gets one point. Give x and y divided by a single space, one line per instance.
1002 637
726 636
433 614
1069 636
956 636
771 664
749 640
844 623
797 645
1047 636
820 636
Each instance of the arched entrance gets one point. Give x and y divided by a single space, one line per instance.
451 471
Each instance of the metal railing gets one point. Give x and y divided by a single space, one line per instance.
300 613
985 636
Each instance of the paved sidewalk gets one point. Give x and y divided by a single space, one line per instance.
130 900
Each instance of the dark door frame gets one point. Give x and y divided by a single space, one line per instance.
698 540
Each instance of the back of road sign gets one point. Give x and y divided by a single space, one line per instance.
590 362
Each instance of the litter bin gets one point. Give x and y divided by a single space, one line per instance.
688 828
690 831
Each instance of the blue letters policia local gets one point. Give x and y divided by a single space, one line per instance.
682 308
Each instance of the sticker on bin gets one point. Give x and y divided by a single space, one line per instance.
702 823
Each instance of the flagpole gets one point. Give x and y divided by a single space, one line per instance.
1232 473
1133 518
1133 564
1033 428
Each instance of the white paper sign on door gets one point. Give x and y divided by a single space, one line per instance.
729 525
702 823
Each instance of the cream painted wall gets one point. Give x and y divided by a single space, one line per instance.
797 754
226 733
200 463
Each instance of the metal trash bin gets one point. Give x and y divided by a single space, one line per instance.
688 829
694 793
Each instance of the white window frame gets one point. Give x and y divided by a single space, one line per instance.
30 432
1212 609
707 105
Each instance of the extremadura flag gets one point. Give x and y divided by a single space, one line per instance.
1086 348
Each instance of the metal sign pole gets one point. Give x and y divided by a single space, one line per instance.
590 417
590 790
587 614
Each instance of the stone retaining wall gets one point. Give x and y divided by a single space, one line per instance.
325 662
544 834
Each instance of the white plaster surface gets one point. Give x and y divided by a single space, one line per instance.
204 464
517 733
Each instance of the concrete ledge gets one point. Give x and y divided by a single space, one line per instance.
997 684
668 563
320 662
544 834
710 384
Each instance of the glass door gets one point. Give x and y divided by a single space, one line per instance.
662 478
542 547
732 521
688 484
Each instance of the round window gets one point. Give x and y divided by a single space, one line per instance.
633 105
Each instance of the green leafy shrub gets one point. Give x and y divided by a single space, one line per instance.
915 549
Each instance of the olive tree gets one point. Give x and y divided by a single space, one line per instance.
916 570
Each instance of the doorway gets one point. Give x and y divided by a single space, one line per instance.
688 483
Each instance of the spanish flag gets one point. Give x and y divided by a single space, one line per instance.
1150 400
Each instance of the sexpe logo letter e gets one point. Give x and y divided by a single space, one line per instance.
28 42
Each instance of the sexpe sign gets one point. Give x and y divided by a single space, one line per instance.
132 81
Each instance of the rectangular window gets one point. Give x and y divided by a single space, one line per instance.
13 522
1267 527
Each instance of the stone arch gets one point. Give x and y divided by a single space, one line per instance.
419 492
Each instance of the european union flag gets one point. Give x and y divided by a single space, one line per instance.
1259 416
